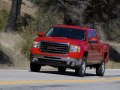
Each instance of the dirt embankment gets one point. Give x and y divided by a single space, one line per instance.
10 44
27 7
114 55
10 51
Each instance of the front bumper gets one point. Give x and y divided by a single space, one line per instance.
55 61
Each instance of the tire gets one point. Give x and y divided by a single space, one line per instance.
100 69
61 69
82 69
35 67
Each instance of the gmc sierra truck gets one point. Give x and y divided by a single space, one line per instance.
65 46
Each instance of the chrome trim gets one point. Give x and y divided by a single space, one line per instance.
67 60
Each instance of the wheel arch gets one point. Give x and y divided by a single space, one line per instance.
85 54
105 56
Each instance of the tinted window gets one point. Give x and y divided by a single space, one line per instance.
93 33
67 33
89 34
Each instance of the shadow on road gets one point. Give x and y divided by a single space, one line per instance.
67 73
114 55
70 73
5 59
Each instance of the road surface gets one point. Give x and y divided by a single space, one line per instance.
52 80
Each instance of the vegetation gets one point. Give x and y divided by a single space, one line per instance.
3 19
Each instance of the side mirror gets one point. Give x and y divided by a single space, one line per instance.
40 34
93 40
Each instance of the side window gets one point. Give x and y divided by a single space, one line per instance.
89 34
94 33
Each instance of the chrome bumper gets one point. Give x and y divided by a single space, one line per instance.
56 61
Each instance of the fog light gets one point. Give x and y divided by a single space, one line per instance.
35 59
73 64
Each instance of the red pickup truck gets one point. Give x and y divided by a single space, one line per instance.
65 46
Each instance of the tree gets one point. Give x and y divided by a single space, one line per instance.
82 12
72 10
101 10
14 14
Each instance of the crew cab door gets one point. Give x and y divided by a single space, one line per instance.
90 48
96 47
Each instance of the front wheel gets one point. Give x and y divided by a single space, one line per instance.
82 69
100 69
35 67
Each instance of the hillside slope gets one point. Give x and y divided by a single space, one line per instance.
11 45
27 6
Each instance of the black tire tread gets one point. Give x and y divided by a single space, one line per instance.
35 67
99 70
78 71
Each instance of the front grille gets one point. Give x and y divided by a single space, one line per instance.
51 47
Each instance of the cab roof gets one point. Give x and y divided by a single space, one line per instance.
70 26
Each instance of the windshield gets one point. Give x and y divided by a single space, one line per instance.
67 33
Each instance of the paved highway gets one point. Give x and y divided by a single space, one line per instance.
52 80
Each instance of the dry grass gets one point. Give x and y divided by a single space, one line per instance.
113 65
11 51
11 45
26 8
5 4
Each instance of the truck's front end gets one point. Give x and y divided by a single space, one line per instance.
59 47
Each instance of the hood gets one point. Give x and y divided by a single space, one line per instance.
59 39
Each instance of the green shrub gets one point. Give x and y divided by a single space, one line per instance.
3 19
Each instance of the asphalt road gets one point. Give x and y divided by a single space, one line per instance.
52 80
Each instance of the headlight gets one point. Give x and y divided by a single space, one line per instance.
36 44
74 48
